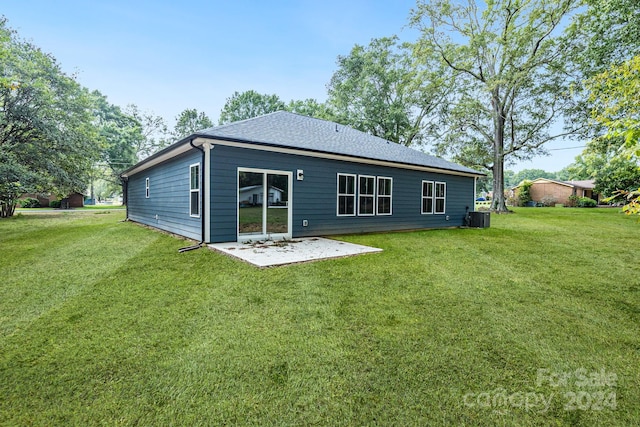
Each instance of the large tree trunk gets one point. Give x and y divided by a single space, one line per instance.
498 203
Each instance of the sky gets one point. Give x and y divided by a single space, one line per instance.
167 56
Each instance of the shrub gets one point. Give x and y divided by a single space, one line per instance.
573 201
548 201
524 192
586 202
55 204
29 202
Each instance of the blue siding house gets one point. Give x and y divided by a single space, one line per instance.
313 178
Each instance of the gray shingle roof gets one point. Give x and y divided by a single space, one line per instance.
284 129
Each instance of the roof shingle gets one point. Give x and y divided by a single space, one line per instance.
289 130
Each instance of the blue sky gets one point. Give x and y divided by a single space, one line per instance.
167 56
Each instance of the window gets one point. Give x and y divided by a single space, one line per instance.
146 188
384 195
427 197
346 195
440 197
366 195
194 190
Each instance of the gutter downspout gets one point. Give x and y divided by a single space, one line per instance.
202 236
125 197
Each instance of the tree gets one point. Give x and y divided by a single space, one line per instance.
46 125
511 78
382 90
249 104
120 134
154 131
311 108
606 34
190 121
614 95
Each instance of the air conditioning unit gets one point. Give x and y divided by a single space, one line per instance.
479 219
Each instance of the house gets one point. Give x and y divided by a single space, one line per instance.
253 195
73 200
329 179
549 191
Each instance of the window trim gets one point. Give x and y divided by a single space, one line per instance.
195 190
436 198
147 186
373 195
338 194
379 196
426 181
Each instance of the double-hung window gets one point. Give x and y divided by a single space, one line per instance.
194 190
346 194
384 195
366 195
440 197
427 197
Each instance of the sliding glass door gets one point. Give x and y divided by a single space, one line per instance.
264 204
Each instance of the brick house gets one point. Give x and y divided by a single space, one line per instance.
546 190
75 200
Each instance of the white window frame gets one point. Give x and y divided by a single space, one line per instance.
195 190
425 197
355 183
436 198
372 195
379 196
146 188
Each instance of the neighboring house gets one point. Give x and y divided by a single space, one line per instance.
75 200
334 180
543 189
253 195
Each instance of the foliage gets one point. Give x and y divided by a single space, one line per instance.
45 124
29 202
383 90
155 134
311 108
548 201
614 94
55 204
602 161
249 104
606 33
511 77
573 200
630 198
104 323
190 121
586 202
524 192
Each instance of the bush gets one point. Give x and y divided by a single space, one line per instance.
548 201
586 202
524 192
573 201
29 202
55 204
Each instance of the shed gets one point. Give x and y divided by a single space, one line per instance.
328 178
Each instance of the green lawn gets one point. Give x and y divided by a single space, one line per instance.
103 322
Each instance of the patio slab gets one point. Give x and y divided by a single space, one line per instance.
281 252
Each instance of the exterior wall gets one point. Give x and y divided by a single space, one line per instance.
560 193
314 198
167 207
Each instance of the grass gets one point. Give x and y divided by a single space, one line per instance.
103 322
